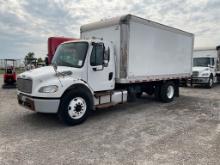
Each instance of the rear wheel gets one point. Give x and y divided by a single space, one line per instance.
167 92
75 107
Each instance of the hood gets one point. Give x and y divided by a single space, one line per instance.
200 68
47 72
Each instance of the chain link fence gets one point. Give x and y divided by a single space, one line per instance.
18 64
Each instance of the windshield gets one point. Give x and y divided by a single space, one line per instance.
71 54
202 61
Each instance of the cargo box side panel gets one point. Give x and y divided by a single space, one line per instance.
111 34
158 53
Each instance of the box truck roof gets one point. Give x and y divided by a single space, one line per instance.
124 19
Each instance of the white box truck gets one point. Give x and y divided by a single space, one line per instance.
206 67
115 61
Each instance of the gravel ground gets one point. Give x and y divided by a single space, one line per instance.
186 131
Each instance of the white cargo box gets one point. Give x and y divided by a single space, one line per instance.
144 50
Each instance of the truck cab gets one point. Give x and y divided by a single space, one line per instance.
204 71
88 66
93 62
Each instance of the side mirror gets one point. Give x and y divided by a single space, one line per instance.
93 43
106 57
105 63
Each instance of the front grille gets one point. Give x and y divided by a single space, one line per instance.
195 74
24 85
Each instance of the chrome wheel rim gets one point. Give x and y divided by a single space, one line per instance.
77 108
170 91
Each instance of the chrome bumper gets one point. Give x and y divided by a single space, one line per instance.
200 80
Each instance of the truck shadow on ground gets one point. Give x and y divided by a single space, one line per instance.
202 86
145 104
43 120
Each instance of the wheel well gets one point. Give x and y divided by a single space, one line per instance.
82 88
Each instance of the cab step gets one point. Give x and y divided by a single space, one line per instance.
110 98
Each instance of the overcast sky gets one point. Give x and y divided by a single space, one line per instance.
25 25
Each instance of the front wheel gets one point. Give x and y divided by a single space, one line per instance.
211 82
74 107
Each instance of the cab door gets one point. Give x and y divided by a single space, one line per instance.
101 68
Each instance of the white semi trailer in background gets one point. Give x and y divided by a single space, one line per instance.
115 61
206 67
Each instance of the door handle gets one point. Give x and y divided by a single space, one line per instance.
110 76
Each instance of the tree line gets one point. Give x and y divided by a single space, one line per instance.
30 58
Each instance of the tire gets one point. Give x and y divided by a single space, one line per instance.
167 92
210 83
75 107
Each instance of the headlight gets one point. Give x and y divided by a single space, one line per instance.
205 74
48 89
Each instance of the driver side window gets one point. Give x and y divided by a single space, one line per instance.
97 55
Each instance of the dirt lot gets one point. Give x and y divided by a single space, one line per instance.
186 131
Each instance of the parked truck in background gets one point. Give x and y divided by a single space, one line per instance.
115 61
53 43
206 67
